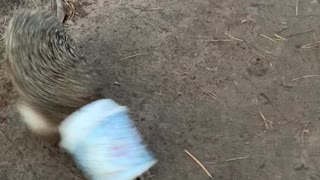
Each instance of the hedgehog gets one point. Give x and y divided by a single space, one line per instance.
52 78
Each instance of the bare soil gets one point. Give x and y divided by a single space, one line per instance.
214 77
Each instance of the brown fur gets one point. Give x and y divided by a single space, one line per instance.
48 72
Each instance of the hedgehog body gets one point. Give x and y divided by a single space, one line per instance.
50 75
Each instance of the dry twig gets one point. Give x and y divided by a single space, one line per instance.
297 34
297 7
232 37
265 96
229 160
304 131
263 56
71 174
280 37
304 77
211 94
235 159
311 45
248 19
6 137
268 124
74 176
11 142
155 9
212 69
248 42
65 9
199 163
132 56
159 93
269 38
220 40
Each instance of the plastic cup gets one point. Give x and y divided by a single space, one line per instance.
105 143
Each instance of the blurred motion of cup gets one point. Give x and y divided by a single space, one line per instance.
104 142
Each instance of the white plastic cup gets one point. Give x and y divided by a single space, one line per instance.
105 143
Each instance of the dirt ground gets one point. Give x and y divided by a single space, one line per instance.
234 82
